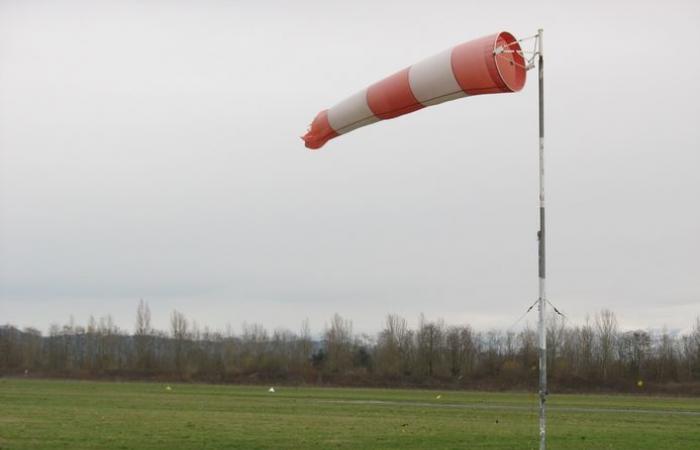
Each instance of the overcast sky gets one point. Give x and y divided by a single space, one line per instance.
150 150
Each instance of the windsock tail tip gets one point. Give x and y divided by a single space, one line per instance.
312 142
319 132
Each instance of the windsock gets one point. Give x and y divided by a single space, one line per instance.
488 65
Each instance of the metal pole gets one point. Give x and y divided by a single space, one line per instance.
541 254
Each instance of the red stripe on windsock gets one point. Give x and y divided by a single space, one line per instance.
320 131
478 71
392 96
474 67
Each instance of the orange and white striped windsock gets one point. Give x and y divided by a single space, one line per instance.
488 65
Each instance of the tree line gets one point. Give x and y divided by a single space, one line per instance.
595 355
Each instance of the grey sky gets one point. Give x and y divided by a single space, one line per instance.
152 151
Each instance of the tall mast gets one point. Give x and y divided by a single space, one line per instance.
542 303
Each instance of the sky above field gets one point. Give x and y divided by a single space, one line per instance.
150 150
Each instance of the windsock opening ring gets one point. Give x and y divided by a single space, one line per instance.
512 65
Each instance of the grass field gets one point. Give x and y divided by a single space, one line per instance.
40 414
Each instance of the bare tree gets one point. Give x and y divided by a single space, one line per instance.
667 368
555 336
143 319
429 343
389 342
178 331
339 339
303 350
694 349
143 337
606 328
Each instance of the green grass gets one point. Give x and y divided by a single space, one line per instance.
41 414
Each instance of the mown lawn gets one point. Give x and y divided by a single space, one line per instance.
42 414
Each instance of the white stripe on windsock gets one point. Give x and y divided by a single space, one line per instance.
351 113
432 80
